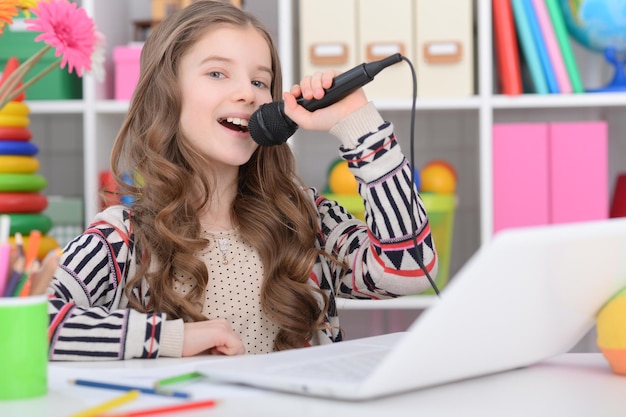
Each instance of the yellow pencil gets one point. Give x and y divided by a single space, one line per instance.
106 406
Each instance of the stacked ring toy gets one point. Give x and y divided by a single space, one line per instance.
22 182
18 164
14 114
17 147
22 202
19 182
15 108
25 223
14 133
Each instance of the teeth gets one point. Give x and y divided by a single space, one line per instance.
237 121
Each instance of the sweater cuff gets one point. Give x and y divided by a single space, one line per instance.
171 342
358 124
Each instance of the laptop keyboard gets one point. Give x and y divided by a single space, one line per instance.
345 367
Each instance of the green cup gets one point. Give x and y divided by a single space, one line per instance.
23 347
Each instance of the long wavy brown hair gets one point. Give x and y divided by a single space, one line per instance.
271 210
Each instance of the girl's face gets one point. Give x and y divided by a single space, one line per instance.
224 78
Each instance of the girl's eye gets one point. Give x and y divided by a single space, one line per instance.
215 74
259 84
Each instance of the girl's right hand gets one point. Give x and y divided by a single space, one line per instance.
212 336
313 87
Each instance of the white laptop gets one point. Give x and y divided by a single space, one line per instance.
526 296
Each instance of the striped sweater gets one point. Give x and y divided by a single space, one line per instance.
89 314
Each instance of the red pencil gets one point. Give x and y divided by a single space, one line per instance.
164 409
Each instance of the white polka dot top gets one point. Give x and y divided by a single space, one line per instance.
234 290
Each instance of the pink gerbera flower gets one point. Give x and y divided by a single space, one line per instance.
68 29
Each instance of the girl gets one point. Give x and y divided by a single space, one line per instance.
223 249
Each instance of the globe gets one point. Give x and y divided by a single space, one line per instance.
600 25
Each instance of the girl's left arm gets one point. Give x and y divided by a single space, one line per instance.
380 253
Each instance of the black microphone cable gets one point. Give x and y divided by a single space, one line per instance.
418 257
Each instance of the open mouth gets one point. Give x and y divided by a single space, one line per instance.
234 123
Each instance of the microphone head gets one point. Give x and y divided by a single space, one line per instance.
269 126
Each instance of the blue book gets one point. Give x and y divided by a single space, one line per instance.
542 49
529 50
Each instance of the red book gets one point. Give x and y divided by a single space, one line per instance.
507 56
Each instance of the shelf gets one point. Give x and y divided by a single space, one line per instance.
56 106
529 101
100 119
429 103
524 101
411 302
121 107
112 106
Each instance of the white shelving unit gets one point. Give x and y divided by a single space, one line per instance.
456 128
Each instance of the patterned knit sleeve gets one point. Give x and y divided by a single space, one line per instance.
88 318
381 253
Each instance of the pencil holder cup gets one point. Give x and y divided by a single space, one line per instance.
23 347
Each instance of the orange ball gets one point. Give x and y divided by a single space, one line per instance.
438 177
341 180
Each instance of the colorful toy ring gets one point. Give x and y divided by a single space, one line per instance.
14 108
10 147
22 182
14 133
46 244
14 121
24 223
23 202
18 164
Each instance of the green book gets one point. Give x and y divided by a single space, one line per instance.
562 37
528 47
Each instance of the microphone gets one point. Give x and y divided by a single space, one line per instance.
269 125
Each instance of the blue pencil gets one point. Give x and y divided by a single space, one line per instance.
119 387
12 283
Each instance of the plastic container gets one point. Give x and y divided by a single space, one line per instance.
126 60
440 209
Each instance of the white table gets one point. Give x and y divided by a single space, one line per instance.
579 384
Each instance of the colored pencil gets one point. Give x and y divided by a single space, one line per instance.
14 279
24 284
5 265
19 243
108 405
5 228
177 378
28 282
165 409
34 239
5 251
120 387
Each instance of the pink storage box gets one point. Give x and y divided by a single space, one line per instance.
126 59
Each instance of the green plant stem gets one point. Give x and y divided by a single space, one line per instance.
8 91
36 78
